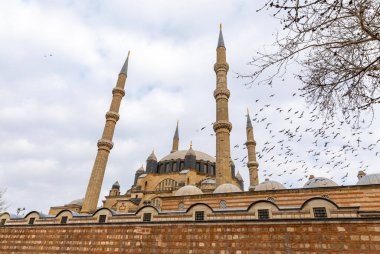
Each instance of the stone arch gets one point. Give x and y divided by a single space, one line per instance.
318 199
203 208
262 203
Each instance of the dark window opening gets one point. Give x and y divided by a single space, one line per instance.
199 215
147 217
31 221
102 218
263 214
2 223
64 220
320 212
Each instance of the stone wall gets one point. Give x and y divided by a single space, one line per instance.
282 236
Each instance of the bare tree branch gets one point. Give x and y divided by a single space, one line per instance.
337 45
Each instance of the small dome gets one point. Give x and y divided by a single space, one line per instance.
315 182
78 201
188 190
152 157
191 152
209 180
269 185
227 188
116 185
369 179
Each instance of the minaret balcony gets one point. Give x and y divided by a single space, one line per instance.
222 125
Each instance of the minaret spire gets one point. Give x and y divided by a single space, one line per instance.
105 144
124 69
251 148
175 140
220 40
222 126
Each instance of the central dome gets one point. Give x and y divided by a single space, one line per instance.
182 153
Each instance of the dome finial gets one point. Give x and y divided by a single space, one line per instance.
191 144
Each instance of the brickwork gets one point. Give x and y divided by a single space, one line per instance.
249 237
367 197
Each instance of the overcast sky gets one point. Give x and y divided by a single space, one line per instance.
59 62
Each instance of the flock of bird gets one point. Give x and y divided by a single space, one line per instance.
294 143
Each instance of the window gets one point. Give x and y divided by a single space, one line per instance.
147 217
263 214
102 218
2 223
320 212
223 204
31 221
64 220
156 203
199 215
181 206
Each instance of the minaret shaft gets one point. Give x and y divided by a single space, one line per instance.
252 162
222 126
104 147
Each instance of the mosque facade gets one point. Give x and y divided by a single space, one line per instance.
188 186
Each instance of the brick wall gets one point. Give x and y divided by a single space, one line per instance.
303 236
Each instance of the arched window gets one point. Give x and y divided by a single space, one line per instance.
156 203
167 184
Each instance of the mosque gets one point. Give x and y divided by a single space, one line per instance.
190 185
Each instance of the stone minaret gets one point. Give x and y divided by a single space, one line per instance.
105 144
251 148
175 140
222 126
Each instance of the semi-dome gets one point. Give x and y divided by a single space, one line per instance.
188 190
182 153
315 182
269 185
78 201
369 179
227 188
